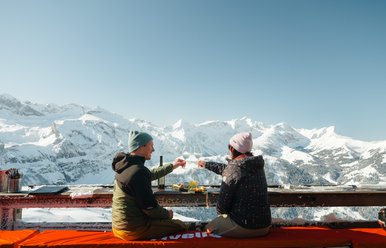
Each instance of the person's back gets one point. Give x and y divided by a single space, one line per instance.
136 214
249 197
126 214
243 207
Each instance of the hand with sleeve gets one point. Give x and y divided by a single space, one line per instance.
179 162
201 164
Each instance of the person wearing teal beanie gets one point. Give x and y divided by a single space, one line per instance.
136 214
138 139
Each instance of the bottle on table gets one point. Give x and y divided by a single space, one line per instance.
161 180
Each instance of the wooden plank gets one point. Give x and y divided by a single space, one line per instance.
90 226
277 197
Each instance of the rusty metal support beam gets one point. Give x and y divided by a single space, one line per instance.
55 201
177 199
7 220
11 204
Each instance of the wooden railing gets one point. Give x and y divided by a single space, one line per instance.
101 196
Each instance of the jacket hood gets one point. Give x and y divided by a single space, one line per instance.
123 160
250 165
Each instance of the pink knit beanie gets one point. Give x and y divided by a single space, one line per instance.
242 142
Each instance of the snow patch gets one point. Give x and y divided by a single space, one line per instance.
292 155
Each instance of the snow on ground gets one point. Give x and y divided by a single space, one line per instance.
189 214
368 172
66 215
327 176
77 215
292 155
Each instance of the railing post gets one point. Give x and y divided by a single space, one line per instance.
18 213
7 218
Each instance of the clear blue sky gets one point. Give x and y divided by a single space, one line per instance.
305 62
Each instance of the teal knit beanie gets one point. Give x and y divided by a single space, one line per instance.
138 139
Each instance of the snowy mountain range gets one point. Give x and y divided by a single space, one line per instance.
73 144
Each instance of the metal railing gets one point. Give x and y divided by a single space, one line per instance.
11 204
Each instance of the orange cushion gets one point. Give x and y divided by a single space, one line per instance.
73 238
367 237
12 238
278 237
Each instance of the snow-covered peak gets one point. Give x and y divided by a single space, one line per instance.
181 124
8 100
90 117
242 123
318 133
276 136
11 104
328 139
177 125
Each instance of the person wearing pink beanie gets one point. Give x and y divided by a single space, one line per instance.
242 142
243 205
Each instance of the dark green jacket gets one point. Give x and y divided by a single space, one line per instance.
134 203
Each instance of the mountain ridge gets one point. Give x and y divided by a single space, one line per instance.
68 144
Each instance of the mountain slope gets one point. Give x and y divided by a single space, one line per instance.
68 144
